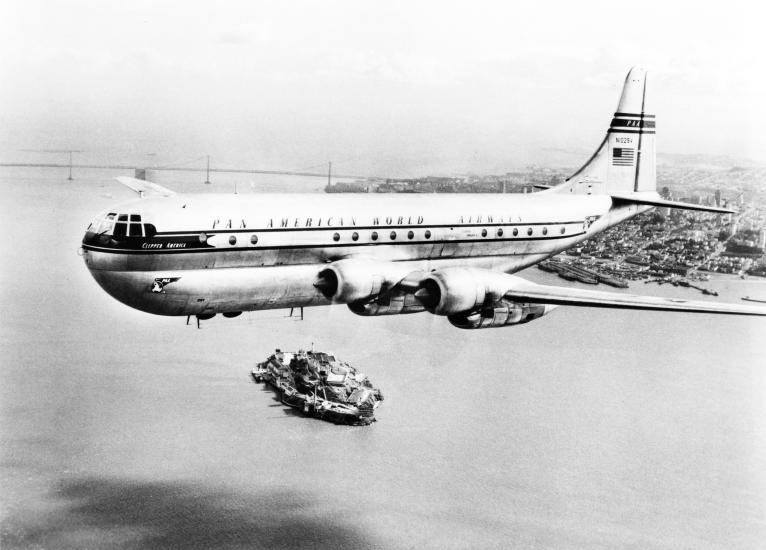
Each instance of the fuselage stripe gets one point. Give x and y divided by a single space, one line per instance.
631 123
636 115
627 131
328 245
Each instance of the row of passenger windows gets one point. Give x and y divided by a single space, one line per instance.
427 233
233 239
374 236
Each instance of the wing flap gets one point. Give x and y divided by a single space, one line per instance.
143 187
531 292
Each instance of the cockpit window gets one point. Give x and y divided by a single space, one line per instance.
102 224
121 225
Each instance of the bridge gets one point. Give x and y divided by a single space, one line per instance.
180 169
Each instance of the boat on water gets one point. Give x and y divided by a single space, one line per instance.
320 385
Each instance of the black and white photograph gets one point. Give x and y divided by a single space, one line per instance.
382 275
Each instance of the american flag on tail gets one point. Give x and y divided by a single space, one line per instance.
623 156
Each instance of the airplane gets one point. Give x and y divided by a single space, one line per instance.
452 255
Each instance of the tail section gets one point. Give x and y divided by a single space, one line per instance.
625 162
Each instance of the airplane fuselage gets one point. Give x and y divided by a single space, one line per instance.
205 254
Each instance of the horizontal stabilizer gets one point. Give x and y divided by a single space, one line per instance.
654 200
143 187
526 291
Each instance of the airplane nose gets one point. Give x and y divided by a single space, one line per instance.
95 239
134 288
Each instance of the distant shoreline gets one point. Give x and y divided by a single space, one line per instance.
731 277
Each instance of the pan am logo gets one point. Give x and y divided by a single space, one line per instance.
159 283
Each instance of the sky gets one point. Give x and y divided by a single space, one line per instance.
394 88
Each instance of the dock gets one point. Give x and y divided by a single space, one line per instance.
575 272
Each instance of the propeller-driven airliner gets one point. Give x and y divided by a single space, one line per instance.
384 254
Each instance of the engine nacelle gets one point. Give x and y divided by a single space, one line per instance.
388 303
500 314
356 279
475 298
456 290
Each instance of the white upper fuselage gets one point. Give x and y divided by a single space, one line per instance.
335 225
207 212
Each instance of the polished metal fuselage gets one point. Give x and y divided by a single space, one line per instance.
229 253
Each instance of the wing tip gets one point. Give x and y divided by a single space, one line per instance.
143 187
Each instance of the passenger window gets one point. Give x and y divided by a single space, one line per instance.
336 237
428 234
545 230
355 236
393 235
529 231
515 231
483 232
499 231
562 230
410 235
374 236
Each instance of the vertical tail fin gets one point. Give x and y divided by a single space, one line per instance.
625 162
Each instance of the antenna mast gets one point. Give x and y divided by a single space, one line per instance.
329 174
207 177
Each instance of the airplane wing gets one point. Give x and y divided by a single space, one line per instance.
523 290
462 289
143 187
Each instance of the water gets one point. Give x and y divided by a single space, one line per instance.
584 429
